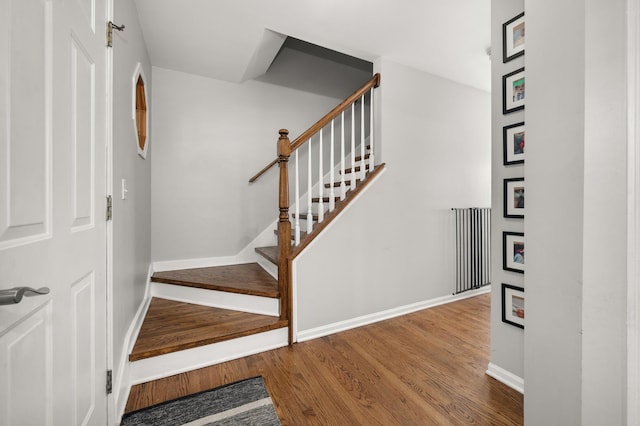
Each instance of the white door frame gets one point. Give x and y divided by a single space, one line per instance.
112 416
633 210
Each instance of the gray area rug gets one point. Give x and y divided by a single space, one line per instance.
242 403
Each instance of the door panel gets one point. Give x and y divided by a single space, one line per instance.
26 98
26 358
83 136
84 357
52 228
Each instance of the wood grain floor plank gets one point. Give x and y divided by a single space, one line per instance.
425 368
171 326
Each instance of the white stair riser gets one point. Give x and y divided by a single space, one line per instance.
268 266
167 365
217 299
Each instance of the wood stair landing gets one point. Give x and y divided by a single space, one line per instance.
171 326
247 278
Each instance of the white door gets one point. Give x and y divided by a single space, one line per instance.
52 211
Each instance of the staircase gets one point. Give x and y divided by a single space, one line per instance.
203 316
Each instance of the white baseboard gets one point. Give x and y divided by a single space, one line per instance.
246 255
172 265
217 299
122 381
506 377
336 327
191 359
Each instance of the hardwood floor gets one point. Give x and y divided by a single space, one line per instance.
425 368
171 326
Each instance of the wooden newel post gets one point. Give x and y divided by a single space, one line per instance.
284 227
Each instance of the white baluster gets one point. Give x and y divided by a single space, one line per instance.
371 140
343 186
320 182
363 170
353 147
309 194
297 192
332 195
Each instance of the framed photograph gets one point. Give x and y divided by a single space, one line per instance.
514 198
513 144
513 305
513 251
513 38
513 93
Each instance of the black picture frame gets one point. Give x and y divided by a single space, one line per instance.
513 198
513 38
513 91
513 305
513 249
513 144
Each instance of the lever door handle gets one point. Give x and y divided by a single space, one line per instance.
14 295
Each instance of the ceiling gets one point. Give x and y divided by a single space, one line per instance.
236 40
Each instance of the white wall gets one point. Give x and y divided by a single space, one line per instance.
395 245
131 217
605 230
507 341
210 137
576 213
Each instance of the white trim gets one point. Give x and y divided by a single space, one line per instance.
336 327
217 299
206 262
294 301
506 377
191 359
112 399
122 380
633 212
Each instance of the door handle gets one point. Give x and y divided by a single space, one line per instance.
14 295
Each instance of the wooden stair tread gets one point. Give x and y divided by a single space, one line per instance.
269 253
171 326
324 199
302 234
337 184
303 216
247 278
357 169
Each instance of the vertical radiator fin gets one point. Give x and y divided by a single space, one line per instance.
473 248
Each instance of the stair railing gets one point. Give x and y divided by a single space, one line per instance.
335 178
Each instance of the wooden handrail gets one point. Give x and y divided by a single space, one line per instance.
374 82
263 171
300 140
